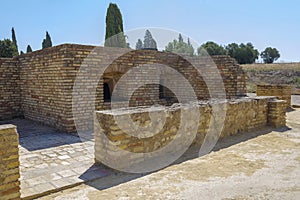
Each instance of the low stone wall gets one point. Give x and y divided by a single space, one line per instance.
241 115
277 113
283 92
9 163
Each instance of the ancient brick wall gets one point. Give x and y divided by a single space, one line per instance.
10 95
9 163
43 85
40 84
242 115
229 71
283 92
277 113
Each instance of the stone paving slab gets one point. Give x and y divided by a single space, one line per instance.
51 160
296 100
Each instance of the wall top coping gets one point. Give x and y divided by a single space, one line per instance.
80 47
274 85
278 101
176 106
7 126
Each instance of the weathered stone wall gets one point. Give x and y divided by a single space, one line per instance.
42 86
231 74
283 92
91 62
9 163
277 113
39 85
10 95
242 115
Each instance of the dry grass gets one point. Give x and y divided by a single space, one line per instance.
274 66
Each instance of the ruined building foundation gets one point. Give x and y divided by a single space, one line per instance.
40 86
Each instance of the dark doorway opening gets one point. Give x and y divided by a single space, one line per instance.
107 94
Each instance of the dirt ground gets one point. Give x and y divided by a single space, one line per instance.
264 167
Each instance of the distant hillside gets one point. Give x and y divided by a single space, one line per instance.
274 66
277 73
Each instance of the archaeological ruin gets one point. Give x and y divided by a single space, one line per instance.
45 86
39 85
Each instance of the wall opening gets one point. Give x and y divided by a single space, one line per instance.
106 92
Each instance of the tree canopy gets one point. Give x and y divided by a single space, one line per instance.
243 53
47 41
149 42
8 49
269 55
114 36
179 46
212 49
139 45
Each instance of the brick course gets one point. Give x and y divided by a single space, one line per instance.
9 163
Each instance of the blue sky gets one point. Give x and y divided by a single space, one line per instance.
265 23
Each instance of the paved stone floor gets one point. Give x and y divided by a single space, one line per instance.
50 160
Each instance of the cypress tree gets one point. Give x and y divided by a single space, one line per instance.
14 38
180 38
29 49
47 41
114 36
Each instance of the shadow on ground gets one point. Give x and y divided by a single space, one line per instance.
117 177
34 136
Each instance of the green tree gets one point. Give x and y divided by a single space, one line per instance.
212 49
243 53
14 38
180 38
149 42
22 53
8 49
114 36
269 55
139 45
47 41
29 49
179 46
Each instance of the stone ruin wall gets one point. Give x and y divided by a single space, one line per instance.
242 115
39 85
283 92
